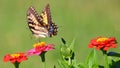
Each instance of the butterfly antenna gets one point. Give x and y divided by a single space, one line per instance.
59 26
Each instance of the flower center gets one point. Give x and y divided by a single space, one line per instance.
102 40
39 44
15 55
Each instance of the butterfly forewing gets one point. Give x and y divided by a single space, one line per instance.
32 16
34 23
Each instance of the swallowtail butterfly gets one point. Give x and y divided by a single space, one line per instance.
41 25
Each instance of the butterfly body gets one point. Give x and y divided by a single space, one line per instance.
41 25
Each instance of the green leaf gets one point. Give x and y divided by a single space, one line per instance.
61 64
114 61
72 44
91 61
115 64
115 54
63 41
81 65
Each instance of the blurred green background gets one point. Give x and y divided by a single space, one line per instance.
80 19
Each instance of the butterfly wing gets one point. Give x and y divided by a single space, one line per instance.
35 24
46 20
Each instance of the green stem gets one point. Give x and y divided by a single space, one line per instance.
43 59
44 64
69 61
16 64
106 59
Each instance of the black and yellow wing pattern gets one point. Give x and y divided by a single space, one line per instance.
41 25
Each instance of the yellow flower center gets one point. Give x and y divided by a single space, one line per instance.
15 55
102 40
41 44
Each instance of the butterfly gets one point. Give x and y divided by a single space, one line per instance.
41 25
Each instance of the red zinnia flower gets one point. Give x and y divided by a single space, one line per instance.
103 43
17 57
40 47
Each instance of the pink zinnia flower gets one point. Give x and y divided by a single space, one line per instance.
40 48
103 43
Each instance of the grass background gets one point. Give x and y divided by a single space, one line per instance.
80 19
